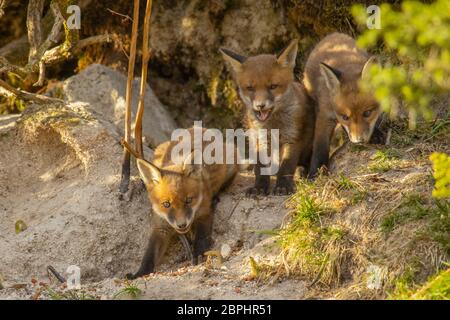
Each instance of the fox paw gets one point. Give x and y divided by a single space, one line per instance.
130 276
257 191
284 186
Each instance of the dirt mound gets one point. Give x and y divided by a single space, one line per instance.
59 176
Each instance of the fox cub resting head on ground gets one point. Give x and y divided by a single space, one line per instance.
274 100
332 74
182 197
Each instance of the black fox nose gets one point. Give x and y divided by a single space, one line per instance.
181 225
261 106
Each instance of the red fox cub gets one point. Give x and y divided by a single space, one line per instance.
182 200
274 100
331 77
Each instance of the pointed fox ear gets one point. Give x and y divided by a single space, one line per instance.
331 77
236 60
191 169
288 55
365 70
149 172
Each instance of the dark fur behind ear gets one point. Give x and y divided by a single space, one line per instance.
336 72
233 55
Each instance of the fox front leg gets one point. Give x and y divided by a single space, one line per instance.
321 146
203 239
160 235
285 177
262 183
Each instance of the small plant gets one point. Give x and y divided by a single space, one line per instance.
130 290
383 161
345 183
68 295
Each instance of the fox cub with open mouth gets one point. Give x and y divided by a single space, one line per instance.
182 198
274 100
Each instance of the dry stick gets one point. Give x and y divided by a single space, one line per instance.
129 148
145 58
125 180
52 38
8 90
56 274
34 14
2 7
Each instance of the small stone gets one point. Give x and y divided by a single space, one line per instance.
225 251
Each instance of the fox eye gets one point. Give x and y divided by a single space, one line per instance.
273 86
166 204
367 113
344 117
250 88
188 200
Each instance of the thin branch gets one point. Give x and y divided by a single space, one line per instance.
2 8
126 17
8 90
129 148
60 53
6 66
102 38
125 179
57 275
34 14
52 38
145 59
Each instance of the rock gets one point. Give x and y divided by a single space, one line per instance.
7 121
225 251
104 90
65 189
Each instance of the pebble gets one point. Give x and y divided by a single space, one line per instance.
225 251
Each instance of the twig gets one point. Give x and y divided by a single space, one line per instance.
60 52
127 17
187 247
145 59
319 274
125 179
129 148
34 14
56 274
52 38
8 90
2 7
6 66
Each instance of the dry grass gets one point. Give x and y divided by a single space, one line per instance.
372 227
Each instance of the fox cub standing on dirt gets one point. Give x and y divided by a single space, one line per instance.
274 100
331 77
182 199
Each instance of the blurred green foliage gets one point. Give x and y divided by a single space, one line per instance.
436 288
441 173
418 38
